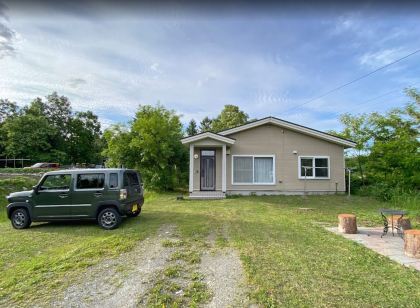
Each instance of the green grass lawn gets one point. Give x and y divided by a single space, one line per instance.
288 257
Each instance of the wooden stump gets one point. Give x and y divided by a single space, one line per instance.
404 222
347 223
412 243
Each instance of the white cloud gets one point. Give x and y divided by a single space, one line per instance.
381 57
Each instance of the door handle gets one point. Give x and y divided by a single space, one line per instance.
97 194
62 196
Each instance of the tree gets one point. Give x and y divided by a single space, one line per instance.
192 128
84 142
206 125
356 128
152 145
48 130
230 116
118 151
394 155
7 109
27 136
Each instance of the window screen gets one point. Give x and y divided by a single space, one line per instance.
242 169
90 181
263 170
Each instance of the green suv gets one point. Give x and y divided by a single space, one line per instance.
102 194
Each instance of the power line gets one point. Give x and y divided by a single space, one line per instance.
382 95
355 80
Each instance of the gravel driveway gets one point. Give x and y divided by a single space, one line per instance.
126 280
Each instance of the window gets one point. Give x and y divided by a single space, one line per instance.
317 167
242 169
113 180
207 153
90 181
131 178
56 182
253 170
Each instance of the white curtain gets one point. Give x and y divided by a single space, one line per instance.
242 169
263 170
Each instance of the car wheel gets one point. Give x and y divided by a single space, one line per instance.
109 218
20 219
134 214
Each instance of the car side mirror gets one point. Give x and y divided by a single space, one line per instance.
35 188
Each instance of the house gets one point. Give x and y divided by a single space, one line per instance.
267 156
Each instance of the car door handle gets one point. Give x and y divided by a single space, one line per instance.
62 196
97 194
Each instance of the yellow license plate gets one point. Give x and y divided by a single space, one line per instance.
135 208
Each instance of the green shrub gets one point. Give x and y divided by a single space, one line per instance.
22 170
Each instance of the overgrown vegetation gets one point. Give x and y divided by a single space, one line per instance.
151 144
48 130
386 160
180 284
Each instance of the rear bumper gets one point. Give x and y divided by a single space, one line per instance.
127 208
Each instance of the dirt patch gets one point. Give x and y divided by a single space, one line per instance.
224 275
122 281
164 270
223 272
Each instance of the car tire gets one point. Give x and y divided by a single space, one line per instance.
134 214
20 219
109 218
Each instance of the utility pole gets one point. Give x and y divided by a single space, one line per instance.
304 183
349 170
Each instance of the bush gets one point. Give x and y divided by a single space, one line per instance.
398 196
22 170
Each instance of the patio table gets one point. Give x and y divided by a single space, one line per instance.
392 213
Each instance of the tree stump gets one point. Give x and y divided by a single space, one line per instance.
347 223
405 223
412 243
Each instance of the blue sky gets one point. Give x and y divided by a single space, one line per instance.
267 61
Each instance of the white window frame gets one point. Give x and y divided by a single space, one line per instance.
313 177
253 174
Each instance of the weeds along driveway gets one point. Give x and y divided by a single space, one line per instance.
287 259
162 270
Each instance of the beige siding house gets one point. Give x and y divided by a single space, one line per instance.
267 156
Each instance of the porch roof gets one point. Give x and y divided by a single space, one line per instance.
208 135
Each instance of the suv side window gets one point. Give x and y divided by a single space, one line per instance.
90 181
56 182
113 180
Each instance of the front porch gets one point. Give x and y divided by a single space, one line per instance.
207 195
207 168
